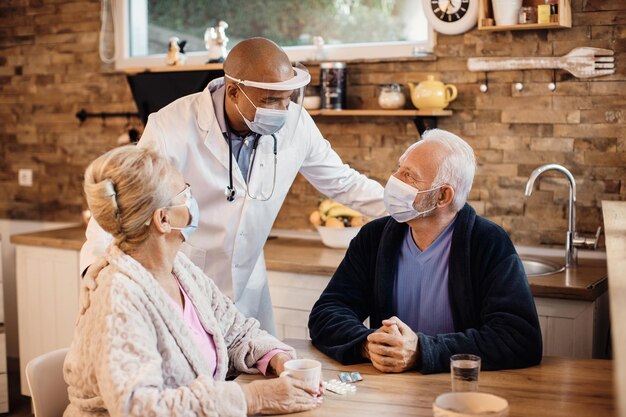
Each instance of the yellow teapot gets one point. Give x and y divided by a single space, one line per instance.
432 94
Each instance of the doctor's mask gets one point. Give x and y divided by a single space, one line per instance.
266 121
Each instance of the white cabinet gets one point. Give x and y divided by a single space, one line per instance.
48 282
4 389
569 327
573 328
293 296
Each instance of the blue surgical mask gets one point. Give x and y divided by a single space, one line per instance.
194 214
399 199
266 121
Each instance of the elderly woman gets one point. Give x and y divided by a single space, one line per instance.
155 337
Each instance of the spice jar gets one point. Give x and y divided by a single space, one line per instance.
554 10
527 15
391 96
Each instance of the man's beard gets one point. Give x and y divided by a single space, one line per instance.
427 205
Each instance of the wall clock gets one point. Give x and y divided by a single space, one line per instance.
451 17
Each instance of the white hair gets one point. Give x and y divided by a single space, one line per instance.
458 166
123 188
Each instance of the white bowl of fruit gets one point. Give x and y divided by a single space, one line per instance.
336 223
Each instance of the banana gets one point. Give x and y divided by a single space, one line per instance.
329 210
325 206
342 211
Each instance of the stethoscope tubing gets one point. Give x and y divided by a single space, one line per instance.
230 191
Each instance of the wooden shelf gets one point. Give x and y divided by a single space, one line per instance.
423 119
174 68
485 10
380 112
526 26
218 66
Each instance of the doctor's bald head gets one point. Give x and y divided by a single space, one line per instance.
258 59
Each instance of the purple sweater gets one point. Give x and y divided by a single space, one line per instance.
420 291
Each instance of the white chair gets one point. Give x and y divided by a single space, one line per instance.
48 389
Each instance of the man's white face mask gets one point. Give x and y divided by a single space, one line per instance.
266 121
399 200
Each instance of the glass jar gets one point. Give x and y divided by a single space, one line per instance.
333 85
391 96
527 15
312 99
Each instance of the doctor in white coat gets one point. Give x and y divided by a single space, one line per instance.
239 144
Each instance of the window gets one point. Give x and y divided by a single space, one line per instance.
351 29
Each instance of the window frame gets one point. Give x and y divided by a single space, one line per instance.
384 51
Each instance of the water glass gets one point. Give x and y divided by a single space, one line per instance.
464 371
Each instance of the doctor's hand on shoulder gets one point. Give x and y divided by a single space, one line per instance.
392 348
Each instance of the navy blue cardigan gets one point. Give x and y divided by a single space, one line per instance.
492 307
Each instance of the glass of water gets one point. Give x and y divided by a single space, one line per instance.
464 370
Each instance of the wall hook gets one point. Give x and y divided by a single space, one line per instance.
552 85
519 86
484 87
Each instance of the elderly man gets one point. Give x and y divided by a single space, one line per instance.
240 144
434 279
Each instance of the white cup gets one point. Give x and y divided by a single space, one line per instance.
308 371
506 12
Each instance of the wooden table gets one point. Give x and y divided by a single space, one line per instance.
558 387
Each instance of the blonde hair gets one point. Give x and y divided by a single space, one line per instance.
123 188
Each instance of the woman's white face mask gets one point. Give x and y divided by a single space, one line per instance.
266 121
400 198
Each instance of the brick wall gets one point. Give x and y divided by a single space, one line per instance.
581 125
49 69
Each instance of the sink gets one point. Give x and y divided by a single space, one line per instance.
539 267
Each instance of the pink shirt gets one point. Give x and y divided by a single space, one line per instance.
204 341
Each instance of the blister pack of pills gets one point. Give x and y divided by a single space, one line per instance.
338 387
356 376
349 377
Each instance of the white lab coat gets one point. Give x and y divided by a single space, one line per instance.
228 244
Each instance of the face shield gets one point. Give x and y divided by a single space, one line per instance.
272 109
268 106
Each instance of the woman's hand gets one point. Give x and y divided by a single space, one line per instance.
277 363
280 396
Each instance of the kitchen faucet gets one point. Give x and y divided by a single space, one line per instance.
573 241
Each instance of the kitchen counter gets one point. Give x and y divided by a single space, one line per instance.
587 282
68 238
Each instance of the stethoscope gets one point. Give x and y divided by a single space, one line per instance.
230 190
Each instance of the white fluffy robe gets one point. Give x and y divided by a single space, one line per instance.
132 354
